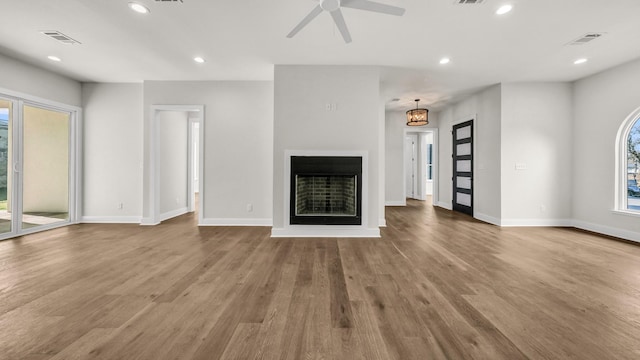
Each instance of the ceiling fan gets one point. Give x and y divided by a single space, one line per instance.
333 7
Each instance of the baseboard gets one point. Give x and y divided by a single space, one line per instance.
606 230
325 231
536 222
110 220
173 213
444 205
148 222
236 222
382 222
395 203
487 218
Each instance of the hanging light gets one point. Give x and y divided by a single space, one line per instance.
417 117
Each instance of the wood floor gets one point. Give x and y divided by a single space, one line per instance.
436 286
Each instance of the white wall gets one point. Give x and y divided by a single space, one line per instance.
238 145
445 164
601 103
27 79
302 122
173 156
112 152
395 125
486 107
394 158
536 136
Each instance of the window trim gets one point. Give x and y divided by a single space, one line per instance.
621 164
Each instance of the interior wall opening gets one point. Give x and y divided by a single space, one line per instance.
420 164
176 160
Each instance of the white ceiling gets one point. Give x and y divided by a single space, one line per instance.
243 39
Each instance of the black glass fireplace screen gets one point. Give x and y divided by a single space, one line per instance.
326 190
333 195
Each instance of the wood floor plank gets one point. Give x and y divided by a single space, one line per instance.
341 316
436 285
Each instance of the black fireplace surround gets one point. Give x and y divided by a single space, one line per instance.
326 190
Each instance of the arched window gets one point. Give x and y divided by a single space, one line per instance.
628 169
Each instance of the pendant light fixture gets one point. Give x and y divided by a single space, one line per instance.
417 117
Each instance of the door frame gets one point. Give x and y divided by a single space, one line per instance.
19 100
153 185
435 198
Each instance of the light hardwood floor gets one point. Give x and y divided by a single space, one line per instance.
437 285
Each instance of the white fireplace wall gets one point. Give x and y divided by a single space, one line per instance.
326 108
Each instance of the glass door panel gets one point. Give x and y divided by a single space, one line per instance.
6 173
45 167
463 167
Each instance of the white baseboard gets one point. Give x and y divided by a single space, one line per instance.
326 231
110 220
236 222
443 205
382 222
536 222
395 203
148 222
173 213
487 218
606 230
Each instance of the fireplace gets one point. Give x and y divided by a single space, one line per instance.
326 190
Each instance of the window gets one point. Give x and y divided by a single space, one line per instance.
633 164
629 164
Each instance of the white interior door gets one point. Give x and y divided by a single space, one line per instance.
411 166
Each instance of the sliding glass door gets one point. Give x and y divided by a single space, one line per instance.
6 167
45 166
37 169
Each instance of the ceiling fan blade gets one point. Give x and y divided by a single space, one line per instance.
372 6
307 19
342 26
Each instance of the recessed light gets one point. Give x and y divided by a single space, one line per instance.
53 58
139 8
504 9
445 61
580 61
198 59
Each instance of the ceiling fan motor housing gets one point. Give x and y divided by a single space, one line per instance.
330 5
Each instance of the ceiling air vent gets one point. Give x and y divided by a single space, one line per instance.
585 38
468 2
57 35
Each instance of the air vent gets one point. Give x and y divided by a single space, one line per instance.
395 100
468 2
57 35
585 38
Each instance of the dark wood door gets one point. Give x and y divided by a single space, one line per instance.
463 167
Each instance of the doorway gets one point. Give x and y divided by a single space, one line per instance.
463 167
38 166
420 164
175 172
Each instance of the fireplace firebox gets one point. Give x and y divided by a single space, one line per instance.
326 190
